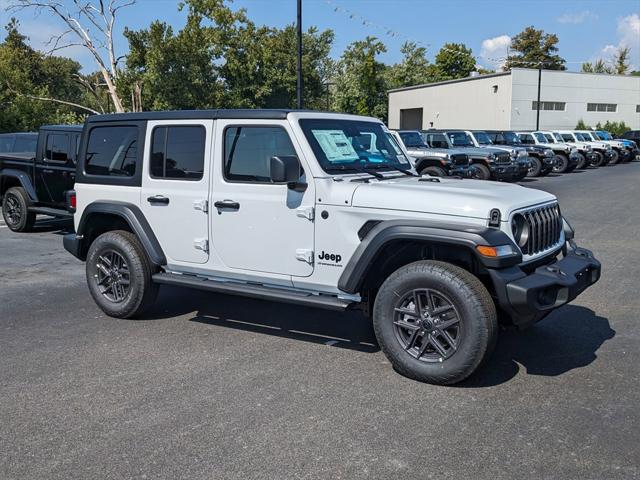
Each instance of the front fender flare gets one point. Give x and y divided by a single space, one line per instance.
462 235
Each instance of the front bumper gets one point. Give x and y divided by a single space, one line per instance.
529 297
458 171
504 171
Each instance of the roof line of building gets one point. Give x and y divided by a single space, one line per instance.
447 82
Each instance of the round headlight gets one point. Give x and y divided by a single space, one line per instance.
491 156
520 229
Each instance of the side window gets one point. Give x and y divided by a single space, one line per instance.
57 149
112 151
6 143
527 139
177 152
248 151
26 143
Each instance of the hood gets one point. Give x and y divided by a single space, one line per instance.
481 151
434 152
448 196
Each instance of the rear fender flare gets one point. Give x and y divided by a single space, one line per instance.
22 178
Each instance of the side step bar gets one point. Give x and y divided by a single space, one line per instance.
254 291
53 212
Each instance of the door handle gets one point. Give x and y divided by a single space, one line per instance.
227 205
158 200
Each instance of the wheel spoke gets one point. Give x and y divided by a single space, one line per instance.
417 301
441 310
448 323
103 269
106 261
436 344
431 305
450 340
408 311
412 340
407 325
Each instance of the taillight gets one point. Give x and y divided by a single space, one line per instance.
72 200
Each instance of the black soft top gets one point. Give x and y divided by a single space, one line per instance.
250 114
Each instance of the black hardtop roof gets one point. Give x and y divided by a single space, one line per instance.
250 114
64 128
19 133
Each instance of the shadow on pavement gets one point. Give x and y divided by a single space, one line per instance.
567 339
350 330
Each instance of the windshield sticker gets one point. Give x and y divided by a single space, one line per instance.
336 145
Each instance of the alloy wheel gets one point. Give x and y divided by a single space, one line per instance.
112 276
13 210
427 325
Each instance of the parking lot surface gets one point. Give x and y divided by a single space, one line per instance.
216 387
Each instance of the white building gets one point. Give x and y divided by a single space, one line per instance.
508 101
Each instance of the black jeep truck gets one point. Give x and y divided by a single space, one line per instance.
40 182
542 159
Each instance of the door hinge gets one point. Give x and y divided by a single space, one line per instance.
305 255
201 244
201 205
306 212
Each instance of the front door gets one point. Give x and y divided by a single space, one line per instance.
175 187
259 225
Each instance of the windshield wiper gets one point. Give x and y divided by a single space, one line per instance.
355 168
393 167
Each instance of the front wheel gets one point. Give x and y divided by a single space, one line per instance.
481 172
562 164
119 275
582 161
435 322
615 157
434 172
598 160
534 169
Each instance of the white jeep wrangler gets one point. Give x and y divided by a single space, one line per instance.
321 210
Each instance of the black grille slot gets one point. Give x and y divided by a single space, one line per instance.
545 227
460 159
503 158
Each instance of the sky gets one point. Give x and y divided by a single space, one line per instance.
587 29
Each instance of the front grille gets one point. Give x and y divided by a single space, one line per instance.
503 158
460 159
545 228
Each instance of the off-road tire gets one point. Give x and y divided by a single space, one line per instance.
433 172
472 304
598 161
482 171
142 290
582 161
536 166
562 164
615 158
22 220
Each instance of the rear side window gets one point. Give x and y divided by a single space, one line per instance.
177 152
26 143
112 151
57 149
248 152
6 143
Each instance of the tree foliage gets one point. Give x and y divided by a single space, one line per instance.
534 49
455 60
619 65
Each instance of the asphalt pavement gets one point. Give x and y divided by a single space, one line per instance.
215 387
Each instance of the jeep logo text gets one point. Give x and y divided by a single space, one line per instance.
330 256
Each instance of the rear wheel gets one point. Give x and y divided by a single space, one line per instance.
434 172
598 160
562 164
435 322
15 210
119 275
534 169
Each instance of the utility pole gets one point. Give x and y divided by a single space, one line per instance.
299 35
538 104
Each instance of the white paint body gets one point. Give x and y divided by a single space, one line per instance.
263 240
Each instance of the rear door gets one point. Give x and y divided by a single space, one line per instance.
175 187
55 169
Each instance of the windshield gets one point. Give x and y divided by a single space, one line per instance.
604 135
483 138
511 137
549 138
581 137
352 144
558 137
412 139
436 140
540 137
460 139
588 136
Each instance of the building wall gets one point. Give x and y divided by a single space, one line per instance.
470 103
576 90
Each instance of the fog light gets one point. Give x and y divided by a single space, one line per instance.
547 296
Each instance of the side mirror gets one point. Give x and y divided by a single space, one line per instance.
286 169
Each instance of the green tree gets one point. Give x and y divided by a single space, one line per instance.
360 81
614 128
36 89
621 61
535 48
596 67
455 60
582 126
413 69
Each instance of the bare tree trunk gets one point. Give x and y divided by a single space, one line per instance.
92 24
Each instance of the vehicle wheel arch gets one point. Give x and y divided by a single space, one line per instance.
15 178
101 217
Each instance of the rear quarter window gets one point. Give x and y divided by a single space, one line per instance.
112 151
